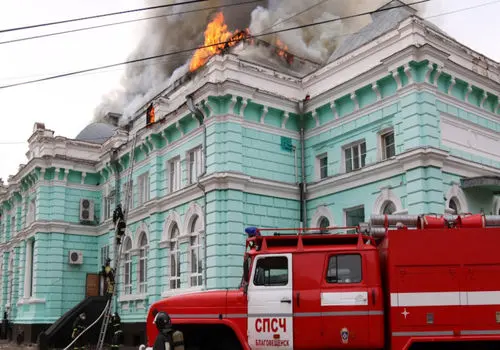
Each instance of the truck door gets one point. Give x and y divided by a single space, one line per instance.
270 314
344 301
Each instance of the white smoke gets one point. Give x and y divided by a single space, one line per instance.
142 82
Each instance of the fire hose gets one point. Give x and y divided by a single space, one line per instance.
97 320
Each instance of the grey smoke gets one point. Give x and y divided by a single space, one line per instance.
143 80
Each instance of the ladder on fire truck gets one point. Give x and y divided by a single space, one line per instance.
118 251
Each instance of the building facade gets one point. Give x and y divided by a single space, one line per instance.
405 121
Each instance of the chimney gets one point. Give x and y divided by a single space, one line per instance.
112 118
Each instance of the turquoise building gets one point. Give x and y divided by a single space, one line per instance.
401 119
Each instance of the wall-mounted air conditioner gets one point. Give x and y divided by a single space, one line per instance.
86 210
75 257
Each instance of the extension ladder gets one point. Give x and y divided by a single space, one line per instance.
118 250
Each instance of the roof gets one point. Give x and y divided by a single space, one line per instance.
96 133
382 22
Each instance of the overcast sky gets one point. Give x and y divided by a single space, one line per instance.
66 105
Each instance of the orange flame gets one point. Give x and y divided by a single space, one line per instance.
282 51
216 33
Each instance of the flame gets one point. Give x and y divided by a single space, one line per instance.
282 51
215 33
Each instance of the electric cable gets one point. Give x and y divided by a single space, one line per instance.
128 21
83 332
100 16
63 75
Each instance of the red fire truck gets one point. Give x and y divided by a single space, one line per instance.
397 282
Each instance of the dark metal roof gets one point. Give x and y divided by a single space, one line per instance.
96 133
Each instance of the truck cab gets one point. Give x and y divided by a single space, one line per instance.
298 291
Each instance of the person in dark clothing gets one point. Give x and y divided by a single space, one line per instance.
109 277
116 332
167 339
79 326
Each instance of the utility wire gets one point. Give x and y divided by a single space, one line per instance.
428 17
125 22
63 75
99 16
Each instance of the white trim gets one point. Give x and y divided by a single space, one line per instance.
194 210
172 218
359 298
31 300
142 227
455 192
132 297
320 212
445 299
386 195
496 205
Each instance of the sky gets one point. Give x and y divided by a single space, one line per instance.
66 105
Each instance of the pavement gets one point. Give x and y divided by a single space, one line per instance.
12 345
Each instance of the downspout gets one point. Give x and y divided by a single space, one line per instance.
198 114
302 184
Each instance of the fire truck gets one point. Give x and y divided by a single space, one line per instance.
395 282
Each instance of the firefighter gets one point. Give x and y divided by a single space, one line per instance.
119 222
78 327
116 332
167 339
109 276
117 214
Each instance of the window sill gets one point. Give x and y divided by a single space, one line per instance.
132 297
178 291
29 301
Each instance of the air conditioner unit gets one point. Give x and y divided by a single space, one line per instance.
75 257
86 210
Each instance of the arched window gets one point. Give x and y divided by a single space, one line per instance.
454 204
323 223
388 208
127 266
175 258
196 278
143 263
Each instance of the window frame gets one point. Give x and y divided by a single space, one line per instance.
347 210
143 188
320 168
343 254
195 272
127 261
384 145
174 172
142 268
174 280
256 266
362 160
195 161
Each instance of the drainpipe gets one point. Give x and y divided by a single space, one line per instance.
198 113
302 184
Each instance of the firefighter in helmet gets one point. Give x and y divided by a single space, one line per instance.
119 222
116 332
168 338
109 277
79 326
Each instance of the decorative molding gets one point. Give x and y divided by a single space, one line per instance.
193 211
354 100
264 114
285 119
386 195
455 192
172 218
178 291
142 227
320 212
132 297
376 89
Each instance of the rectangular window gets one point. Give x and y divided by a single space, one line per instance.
175 266
271 271
143 270
31 210
344 268
12 226
128 192
354 216
109 202
388 145
323 166
28 272
104 254
174 174
143 188
127 274
196 263
195 163
355 156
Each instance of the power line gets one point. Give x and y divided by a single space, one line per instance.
125 22
63 75
99 16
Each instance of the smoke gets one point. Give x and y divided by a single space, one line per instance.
316 43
